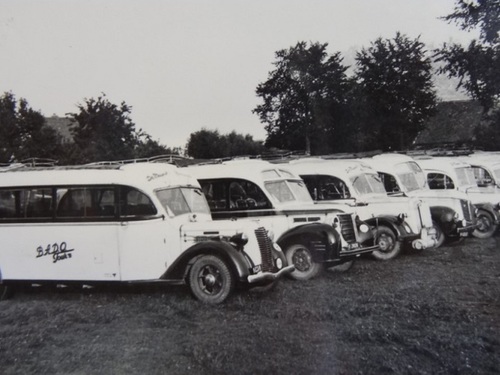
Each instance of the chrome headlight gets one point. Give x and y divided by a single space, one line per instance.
277 247
402 216
279 263
363 228
270 235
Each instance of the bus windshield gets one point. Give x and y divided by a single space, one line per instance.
411 176
289 191
183 200
465 176
368 184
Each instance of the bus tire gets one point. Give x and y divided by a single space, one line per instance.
210 279
390 247
486 225
440 236
300 256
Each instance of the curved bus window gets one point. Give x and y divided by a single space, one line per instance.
234 194
439 181
135 203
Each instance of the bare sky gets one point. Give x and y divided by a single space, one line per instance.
184 65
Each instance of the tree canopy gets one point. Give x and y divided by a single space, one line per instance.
309 102
396 89
477 66
210 144
24 133
301 95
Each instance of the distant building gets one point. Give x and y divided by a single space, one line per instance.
453 124
62 125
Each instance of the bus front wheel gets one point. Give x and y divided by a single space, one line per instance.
210 279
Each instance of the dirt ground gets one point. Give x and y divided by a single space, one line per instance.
434 312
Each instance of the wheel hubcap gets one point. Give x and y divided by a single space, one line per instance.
385 242
484 224
210 280
301 260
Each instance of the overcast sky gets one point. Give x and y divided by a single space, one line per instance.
184 65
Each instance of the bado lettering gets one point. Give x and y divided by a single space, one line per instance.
57 251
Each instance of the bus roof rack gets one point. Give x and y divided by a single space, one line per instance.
166 158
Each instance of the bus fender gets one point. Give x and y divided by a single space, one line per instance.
490 208
236 260
392 222
305 234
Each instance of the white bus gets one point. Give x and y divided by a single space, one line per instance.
144 222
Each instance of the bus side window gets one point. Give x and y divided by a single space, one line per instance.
439 181
135 203
390 183
216 194
7 204
72 203
38 203
86 202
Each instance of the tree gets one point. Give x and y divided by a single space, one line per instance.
103 131
301 97
478 66
210 144
395 79
148 147
24 133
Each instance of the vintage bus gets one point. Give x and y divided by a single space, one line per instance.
312 237
142 222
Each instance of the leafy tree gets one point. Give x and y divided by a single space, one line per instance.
148 147
478 66
24 133
482 14
302 97
103 131
210 144
396 89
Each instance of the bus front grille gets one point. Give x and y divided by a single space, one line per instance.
265 246
347 227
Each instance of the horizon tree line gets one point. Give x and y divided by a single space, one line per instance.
308 102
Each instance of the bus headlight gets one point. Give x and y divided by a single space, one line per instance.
279 263
363 228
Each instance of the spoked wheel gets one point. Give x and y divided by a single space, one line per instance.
390 247
301 258
486 225
210 279
440 237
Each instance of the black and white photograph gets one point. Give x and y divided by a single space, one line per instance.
198 187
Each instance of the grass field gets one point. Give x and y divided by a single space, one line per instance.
434 312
